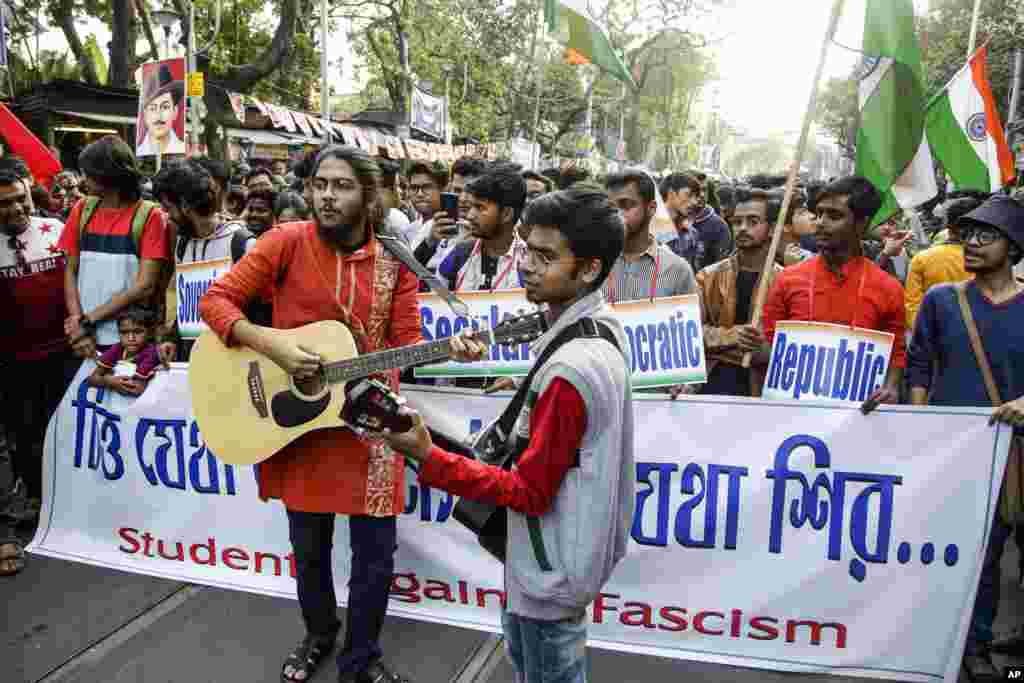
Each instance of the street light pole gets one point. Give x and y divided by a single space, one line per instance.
325 101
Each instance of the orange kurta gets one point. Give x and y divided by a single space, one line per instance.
329 470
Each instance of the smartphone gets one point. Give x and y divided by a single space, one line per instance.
450 204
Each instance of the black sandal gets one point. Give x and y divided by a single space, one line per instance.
306 658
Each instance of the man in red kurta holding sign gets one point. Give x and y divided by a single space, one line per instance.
841 286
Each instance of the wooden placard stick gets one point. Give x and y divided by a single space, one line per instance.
794 169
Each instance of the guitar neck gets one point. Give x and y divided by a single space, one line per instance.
383 361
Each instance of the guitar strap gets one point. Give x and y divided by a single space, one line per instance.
491 445
487 521
400 250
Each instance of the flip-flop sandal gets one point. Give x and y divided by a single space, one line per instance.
12 557
306 658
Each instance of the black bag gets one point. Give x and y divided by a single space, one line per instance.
488 521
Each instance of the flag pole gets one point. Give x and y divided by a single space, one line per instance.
974 29
794 169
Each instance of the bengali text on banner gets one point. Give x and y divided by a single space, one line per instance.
815 539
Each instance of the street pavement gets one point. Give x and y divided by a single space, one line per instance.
70 622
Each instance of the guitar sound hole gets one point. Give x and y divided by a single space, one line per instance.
311 386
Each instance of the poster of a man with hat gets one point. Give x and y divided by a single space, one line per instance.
161 114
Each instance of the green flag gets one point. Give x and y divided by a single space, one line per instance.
892 151
585 40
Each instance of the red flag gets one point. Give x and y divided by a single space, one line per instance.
21 141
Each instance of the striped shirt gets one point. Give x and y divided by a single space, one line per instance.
658 268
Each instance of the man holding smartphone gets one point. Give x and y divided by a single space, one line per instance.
440 235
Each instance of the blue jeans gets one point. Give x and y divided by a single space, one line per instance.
373 541
980 634
546 651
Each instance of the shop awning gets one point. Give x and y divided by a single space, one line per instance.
102 118
258 137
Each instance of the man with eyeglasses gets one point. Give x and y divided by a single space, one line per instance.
728 290
943 371
570 493
436 229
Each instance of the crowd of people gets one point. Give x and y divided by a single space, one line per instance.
87 271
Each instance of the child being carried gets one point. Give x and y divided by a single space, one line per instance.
135 327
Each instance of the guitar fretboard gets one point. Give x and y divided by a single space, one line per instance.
383 361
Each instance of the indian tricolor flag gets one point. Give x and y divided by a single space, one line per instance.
965 132
892 151
584 38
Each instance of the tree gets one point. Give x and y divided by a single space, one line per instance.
257 52
839 114
758 156
945 34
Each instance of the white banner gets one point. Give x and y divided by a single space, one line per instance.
666 337
826 362
814 539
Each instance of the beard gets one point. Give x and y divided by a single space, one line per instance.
339 226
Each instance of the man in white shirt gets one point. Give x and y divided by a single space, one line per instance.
492 258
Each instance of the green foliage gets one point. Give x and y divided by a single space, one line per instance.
838 112
945 35
764 155
92 48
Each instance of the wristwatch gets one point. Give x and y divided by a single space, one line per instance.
87 324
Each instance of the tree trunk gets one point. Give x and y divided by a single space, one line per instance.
63 15
143 17
243 78
122 45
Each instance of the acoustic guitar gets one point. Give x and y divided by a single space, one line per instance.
248 408
373 406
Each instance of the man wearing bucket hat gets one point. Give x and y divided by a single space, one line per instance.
945 369
161 107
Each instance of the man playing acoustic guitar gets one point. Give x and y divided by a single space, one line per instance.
568 472
332 268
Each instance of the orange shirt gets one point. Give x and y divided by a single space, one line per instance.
329 470
866 296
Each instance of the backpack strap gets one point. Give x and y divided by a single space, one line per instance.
979 349
143 210
89 205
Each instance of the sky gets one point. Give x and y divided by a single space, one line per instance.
768 57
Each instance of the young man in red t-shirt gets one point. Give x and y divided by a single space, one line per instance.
37 360
108 269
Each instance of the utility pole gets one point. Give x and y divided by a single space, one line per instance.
325 100
1015 84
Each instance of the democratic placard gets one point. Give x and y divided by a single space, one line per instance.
665 335
814 539
826 362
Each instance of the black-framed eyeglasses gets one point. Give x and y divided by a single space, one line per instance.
421 189
984 235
